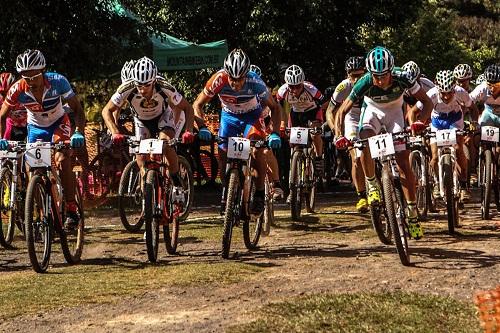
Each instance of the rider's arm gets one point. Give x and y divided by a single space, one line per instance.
4 114
474 112
343 110
330 115
188 111
76 106
427 105
109 120
275 111
198 105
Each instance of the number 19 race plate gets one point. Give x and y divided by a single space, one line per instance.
490 133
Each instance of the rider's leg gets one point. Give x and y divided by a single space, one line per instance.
358 178
434 167
171 156
463 164
272 167
369 168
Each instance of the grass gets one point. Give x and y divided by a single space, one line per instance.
393 312
23 293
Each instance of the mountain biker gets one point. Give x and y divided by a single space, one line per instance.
488 94
43 94
355 68
243 96
382 90
149 95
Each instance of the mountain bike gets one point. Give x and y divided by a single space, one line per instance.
489 167
12 193
240 187
45 209
420 157
303 177
393 203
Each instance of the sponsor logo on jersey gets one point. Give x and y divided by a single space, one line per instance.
340 87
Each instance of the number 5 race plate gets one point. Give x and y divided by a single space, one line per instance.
299 135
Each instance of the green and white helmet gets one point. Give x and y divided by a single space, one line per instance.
445 81
412 69
462 72
379 61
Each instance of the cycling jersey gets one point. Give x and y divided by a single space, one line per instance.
441 108
310 98
247 100
143 108
56 89
482 94
341 92
384 98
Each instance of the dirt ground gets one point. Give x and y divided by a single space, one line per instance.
336 253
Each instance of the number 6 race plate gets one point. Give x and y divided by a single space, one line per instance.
38 154
446 137
151 146
490 133
299 135
238 148
381 145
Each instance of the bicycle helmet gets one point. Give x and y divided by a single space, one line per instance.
354 63
412 69
127 68
462 72
480 79
237 64
445 81
379 61
30 60
256 70
492 73
294 75
6 80
144 71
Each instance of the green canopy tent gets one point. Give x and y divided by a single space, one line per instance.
170 53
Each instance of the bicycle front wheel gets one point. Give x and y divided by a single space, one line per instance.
186 175
268 209
231 216
394 206
451 206
151 218
420 172
130 198
295 186
310 180
38 224
171 226
486 166
252 226
8 213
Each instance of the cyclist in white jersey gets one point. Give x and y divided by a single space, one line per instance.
355 68
488 94
149 95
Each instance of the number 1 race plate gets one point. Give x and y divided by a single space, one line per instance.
490 133
151 146
381 145
238 148
446 137
38 154
299 135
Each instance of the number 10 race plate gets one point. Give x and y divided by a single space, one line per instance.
238 148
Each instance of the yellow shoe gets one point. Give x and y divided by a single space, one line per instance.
415 229
6 197
362 205
373 196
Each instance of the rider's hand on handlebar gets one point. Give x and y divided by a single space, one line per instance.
342 142
204 134
118 138
77 140
274 141
4 144
187 137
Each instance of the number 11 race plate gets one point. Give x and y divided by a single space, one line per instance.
381 145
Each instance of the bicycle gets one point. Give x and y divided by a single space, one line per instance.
393 203
303 176
239 190
488 167
158 207
12 193
45 209
419 161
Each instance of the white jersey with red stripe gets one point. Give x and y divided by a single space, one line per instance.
310 98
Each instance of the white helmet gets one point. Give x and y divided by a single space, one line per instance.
237 64
256 70
445 81
462 72
294 75
30 60
480 79
412 69
144 71
127 68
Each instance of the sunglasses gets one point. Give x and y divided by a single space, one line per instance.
237 79
294 86
144 85
381 76
31 78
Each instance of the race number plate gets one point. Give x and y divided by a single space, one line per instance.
381 145
299 135
151 146
238 148
38 154
490 133
9 154
446 137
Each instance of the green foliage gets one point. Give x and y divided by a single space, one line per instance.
94 95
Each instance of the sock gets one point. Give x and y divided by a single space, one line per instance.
412 209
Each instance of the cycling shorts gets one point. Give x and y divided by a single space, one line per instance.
448 121
302 119
249 124
374 119
57 132
146 129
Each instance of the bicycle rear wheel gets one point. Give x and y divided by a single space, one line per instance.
395 206
8 214
209 165
420 172
295 186
186 175
268 209
171 225
38 224
451 205
231 214
151 219
72 240
252 226
486 166
130 198
310 181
